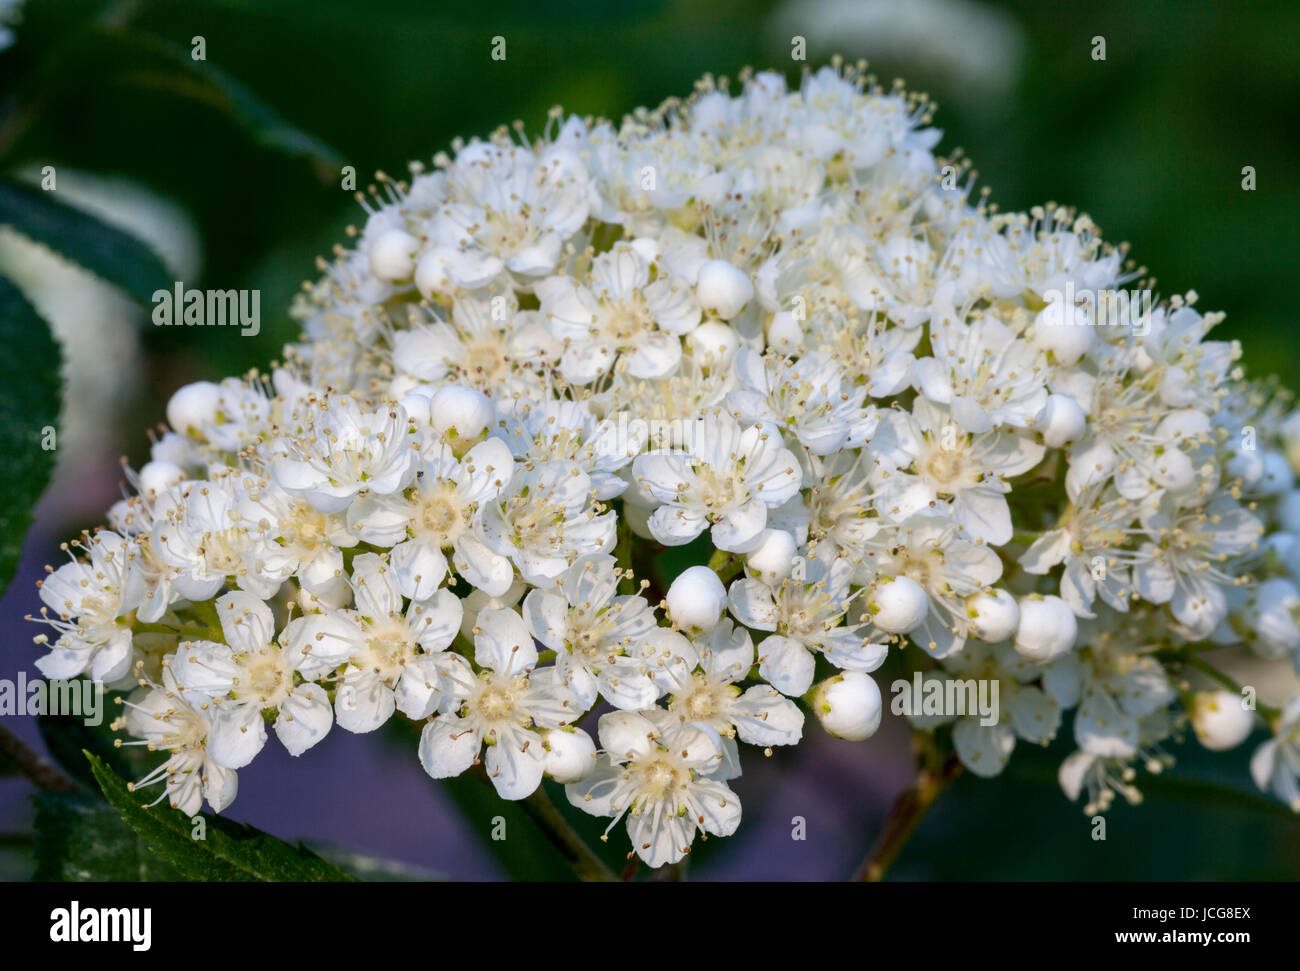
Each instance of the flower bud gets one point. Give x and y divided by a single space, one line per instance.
723 288
1065 331
898 605
460 414
156 477
1221 719
713 343
785 333
696 600
773 561
1047 628
1061 421
848 705
570 754
193 406
392 255
431 274
994 615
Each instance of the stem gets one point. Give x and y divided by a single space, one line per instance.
44 774
905 815
1213 673
586 864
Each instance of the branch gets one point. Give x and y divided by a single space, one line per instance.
905 815
586 864
43 773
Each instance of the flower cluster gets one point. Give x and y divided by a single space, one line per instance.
773 329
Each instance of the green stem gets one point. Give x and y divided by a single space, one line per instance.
1214 674
586 864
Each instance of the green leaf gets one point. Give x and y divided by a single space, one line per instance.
29 403
104 250
375 869
228 852
161 65
67 737
79 837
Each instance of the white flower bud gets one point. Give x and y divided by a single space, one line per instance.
848 705
713 343
723 288
994 615
431 274
773 561
1047 628
1061 421
1221 719
785 332
570 754
392 255
898 605
459 413
156 477
193 406
1064 331
696 599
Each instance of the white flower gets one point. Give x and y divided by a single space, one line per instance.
347 449
90 598
247 676
625 310
930 463
162 719
394 659
702 677
540 431
984 373
1275 767
437 515
507 209
596 634
927 549
543 521
207 539
1184 563
812 400
662 773
805 616
1022 709
503 707
728 480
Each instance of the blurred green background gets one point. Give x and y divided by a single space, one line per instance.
1150 141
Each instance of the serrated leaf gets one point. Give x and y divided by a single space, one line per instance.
29 403
229 851
79 837
106 251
